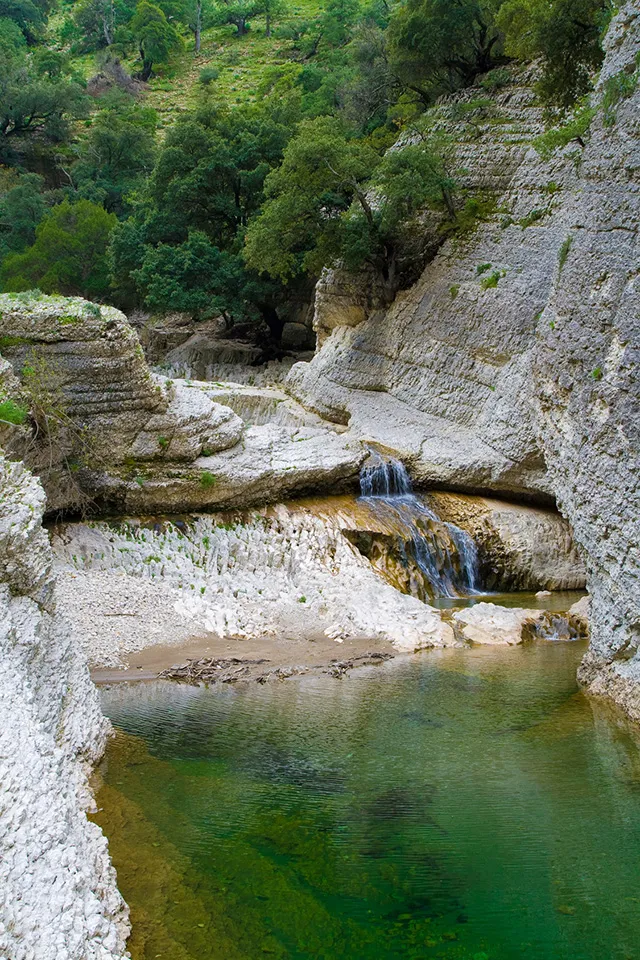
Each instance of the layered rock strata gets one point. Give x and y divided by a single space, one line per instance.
104 429
587 384
59 897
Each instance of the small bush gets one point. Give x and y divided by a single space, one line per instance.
551 188
618 87
207 479
495 80
574 129
596 373
12 412
454 290
532 217
488 283
208 75
482 268
163 443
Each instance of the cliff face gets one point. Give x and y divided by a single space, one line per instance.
442 377
59 896
586 376
512 364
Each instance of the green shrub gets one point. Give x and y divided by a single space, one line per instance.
208 75
574 129
454 290
488 283
618 87
482 268
532 217
12 412
163 443
596 373
9 341
495 80
207 479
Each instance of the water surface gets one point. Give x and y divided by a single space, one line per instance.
461 804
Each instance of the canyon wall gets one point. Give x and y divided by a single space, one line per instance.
511 366
59 896
587 366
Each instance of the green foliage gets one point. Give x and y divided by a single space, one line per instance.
208 75
117 155
207 479
495 80
436 46
596 373
574 129
534 216
21 210
69 253
12 412
488 283
454 290
616 88
157 39
238 13
482 268
566 34
563 253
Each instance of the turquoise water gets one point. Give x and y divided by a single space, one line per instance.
461 804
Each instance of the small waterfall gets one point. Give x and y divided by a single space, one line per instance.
445 555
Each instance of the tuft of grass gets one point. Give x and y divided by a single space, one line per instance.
563 253
7 342
596 373
454 290
488 283
532 217
207 479
482 268
163 443
12 412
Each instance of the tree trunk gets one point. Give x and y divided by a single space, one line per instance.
242 27
147 67
198 29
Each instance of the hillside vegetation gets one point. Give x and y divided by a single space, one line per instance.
205 155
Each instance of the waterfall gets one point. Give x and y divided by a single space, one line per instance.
445 555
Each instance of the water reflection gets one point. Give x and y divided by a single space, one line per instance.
462 804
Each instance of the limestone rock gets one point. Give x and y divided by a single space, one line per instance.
59 895
587 384
441 377
521 547
488 623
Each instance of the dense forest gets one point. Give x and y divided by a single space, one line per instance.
206 155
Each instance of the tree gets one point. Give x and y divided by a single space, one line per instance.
69 253
566 34
99 20
21 210
322 173
206 185
334 199
30 16
117 155
273 9
437 46
32 103
155 36
238 12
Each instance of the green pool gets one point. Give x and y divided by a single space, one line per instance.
462 804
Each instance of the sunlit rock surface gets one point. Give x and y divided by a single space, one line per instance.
59 899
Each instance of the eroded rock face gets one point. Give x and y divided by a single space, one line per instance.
587 379
442 376
520 547
105 429
59 897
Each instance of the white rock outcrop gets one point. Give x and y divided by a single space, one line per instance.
278 571
58 893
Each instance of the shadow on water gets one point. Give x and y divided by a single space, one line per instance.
460 805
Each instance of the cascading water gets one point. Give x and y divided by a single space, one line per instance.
445 555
